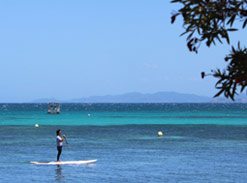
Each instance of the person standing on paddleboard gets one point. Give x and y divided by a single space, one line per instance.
59 143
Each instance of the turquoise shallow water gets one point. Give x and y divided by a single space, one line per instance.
122 114
201 143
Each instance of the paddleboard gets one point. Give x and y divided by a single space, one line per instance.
64 162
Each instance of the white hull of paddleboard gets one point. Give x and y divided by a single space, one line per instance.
64 162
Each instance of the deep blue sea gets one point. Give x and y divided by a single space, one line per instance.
202 143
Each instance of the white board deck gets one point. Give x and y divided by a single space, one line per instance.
64 162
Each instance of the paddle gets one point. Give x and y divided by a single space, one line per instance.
66 141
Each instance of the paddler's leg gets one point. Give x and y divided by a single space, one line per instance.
59 151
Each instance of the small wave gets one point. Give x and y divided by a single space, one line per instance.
173 117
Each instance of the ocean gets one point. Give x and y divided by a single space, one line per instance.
201 143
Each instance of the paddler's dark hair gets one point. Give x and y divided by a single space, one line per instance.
58 131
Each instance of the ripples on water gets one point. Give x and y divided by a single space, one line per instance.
188 152
110 114
128 107
128 153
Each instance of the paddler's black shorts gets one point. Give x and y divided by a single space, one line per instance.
59 148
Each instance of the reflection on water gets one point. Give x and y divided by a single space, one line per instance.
59 176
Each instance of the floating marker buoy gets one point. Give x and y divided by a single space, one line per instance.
160 133
37 125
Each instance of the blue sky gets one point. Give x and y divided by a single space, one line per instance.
78 48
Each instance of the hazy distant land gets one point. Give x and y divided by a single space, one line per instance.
135 97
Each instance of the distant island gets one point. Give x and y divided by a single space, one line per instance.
159 97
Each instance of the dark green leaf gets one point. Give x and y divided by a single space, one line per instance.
232 29
219 93
245 22
189 36
231 20
183 33
227 38
242 89
219 39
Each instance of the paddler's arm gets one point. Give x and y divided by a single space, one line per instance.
63 139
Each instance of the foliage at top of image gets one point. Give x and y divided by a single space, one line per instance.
210 21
